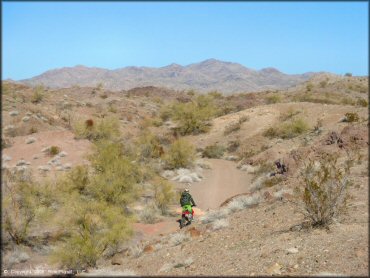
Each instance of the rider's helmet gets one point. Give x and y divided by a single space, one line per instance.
186 190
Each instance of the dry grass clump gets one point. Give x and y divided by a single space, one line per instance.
38 94
287 130
351 117
149 214
178 238
232 127
220 224
362 102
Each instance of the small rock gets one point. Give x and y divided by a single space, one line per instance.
13 113
274 269
292 250
62 154
29 114
45 150
36 156
6 158
194 232
25 119
30 140
116 260
21 162
231 158
148 249
44 168
59 168
67 166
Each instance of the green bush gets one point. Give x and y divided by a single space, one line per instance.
163 195
287 130
273 99
105 129
54 150
94 227
213 151
117 176
149 146
325 191
180 155
193 117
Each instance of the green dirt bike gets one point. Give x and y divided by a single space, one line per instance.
187 216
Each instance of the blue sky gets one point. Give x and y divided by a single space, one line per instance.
294 37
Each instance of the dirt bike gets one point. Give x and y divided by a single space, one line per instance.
186 218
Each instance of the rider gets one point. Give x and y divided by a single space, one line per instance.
186 201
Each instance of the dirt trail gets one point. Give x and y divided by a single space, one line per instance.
224 180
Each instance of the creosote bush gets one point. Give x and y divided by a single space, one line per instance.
232 127
213 151
180 155
53 150
325 191
163 194
105 128
287 130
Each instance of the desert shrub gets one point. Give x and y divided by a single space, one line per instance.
289 114
149 214
213 215
180 155
166 112
149 146
103 96
325 191
38 94
53 150
94 227
220 224
351 117
112 109
232 127
273 99
163 195
32 130
233 145
348 74
270 182
178 238
19 210
323 83
117 176
105 129
362 102
287 130
76 180
213 151
243 119
24 204
193 117
347 101
309 87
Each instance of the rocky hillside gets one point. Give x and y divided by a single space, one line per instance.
205 76
247 221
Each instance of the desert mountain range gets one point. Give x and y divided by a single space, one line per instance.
204 76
